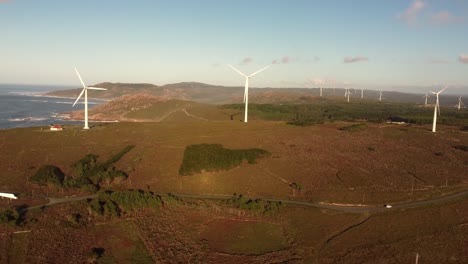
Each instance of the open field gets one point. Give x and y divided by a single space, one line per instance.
201 231
378 164
373 165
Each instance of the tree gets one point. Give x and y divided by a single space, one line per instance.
49 174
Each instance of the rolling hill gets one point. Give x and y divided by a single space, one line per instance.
149 108
217 94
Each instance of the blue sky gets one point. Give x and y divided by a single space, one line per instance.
406 45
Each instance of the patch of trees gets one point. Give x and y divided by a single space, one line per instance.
461 147
296 187
87 173
256 206
213 157
322 111
49 175
354 127
115 204
9 216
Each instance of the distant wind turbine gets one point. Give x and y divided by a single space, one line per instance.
460 103
380 96
436 109
85 92
362 93
246 90
347 93
426 96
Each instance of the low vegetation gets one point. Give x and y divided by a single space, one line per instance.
255 206
354 127
88 173
9 216
49 175
330 110
461 147
114 204
213 157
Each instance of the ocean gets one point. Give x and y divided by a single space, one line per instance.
25 106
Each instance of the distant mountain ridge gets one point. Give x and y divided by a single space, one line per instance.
217 94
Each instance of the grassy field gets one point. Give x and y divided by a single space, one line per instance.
375 164
205 231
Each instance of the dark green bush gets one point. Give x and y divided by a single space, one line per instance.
49 174
89 172
113 204
213 157
354 127
8 216
461 147
257 206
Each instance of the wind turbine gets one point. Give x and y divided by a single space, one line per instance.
85 92
347 93
426 96
380 96
246 90
460 103
362 93
436 109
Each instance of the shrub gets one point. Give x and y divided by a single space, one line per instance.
49 174
113 204
257 206
213 157
354 127
461 147
90 174
9 216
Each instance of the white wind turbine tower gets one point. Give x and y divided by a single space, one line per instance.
460 103
85 92
436 108
246 90
362 93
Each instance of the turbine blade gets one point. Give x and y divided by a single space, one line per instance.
442 90
79 96
81 80
237 71
97 88
259 71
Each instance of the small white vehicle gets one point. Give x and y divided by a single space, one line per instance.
388 206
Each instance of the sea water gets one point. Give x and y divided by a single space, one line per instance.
25 106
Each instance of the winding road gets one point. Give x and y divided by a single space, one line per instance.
343 208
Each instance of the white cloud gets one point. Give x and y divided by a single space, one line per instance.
355 59
246 60
410 15
284 60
